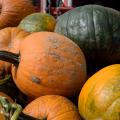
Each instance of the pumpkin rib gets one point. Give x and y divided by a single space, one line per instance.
56 108
92 28
63 114
13 11
89 94
109 51
67 31
58 115
116 99
103 100
95 84
109 112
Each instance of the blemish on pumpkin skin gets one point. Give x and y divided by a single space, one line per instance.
56 56
35 80
55 43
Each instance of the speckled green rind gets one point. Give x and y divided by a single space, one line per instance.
38 22
99 98
96 29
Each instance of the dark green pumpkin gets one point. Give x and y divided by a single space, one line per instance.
96 29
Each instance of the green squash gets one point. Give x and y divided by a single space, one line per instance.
99 98
38 22
96 29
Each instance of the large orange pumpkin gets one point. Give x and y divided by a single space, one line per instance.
10 39
100 96
52 107
49 63
13 11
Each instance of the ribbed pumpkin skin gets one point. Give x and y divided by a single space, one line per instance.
100 96
52 107
13 11
51 64
96 29
37 22
10 39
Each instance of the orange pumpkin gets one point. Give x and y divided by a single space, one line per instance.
100 96
13 11
52 107
49 63
10 39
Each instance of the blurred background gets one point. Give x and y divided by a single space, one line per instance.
58 7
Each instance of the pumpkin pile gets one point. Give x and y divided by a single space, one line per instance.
44 63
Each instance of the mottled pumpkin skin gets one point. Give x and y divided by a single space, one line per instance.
10 39
96 29
100 96
37 22
13 11
49 64
52 107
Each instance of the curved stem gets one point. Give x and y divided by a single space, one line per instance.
9 57
6 79
23 116
13 111
18 110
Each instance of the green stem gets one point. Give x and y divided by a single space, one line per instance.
9 57
16 111
6 79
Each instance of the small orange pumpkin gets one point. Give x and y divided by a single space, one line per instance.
52 107
99 98
10 39
49 63
13 11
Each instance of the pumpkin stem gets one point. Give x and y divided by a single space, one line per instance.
13 111
23 116
9 57
6 79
